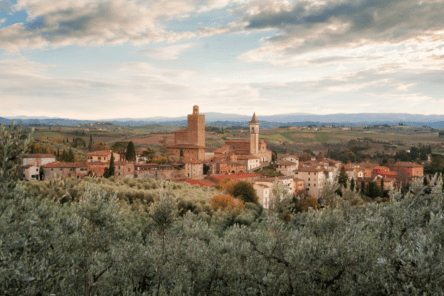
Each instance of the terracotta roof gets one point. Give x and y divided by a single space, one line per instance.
99 153
39 156
181 131
380 168
66 165
235 176
407 164
195 162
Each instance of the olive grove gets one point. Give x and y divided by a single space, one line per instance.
67 238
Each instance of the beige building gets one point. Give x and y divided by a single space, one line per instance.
313 180
263 192
286 168
193 169
102 156
30 173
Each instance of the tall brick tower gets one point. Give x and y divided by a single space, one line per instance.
196 128
254 135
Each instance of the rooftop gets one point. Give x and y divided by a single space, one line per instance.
99 153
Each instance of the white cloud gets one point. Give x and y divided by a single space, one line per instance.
168 52
149 69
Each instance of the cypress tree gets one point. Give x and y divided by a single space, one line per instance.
352 184
343 177
382 184
71 157
90 142
112 168
362 186
58 153
130 152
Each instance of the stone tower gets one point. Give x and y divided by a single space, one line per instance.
196 128
254 135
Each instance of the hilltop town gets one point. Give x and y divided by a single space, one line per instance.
187 159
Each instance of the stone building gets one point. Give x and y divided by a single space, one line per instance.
32 165
190 142
102 156
251 153
81 169
313 180
65 170
38 160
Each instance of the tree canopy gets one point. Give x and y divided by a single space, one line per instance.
130 151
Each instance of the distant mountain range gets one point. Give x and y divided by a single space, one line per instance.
295 119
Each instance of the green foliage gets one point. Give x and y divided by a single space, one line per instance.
130 151
343 177
110 171
245 192
13 145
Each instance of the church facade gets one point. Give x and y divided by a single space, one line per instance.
250 153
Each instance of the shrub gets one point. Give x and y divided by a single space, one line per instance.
245 192
308 202
226 201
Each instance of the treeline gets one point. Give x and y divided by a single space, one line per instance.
354 152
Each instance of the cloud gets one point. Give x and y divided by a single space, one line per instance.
168 52
99 22
94 22
310 27
139 67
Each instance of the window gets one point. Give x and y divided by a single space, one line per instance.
308 184
315 173
119 173
314 184
314 179
308 179
52 169
119 167
36 169
61 169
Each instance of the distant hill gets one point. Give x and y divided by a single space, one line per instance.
267 121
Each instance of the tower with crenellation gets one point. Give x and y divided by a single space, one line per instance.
196 128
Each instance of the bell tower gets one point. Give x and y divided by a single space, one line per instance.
254 135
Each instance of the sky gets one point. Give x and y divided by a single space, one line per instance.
103 59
